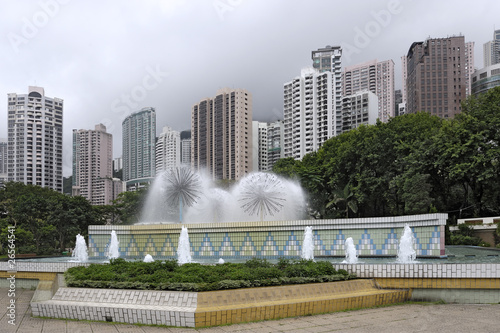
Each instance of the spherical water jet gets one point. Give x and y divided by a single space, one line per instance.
262 194
184 249
113 247
80 252
351 255
406 251
221 261
308 245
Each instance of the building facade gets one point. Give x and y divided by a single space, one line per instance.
186 148
329 59
358 109
139 139
35 139
3 161
374 76
93 165
485 79
221 134
438 76
267 144
310 114
491 50
168 150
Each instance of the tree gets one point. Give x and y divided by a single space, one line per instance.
470 152
129 205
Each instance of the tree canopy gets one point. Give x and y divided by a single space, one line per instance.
413 164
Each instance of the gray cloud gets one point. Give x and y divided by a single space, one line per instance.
107 59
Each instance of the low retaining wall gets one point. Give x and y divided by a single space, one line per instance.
190 309
273 239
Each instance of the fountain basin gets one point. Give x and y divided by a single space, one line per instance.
373 237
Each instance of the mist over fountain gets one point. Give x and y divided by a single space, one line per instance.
179 195
308 245
351 254
406 251
80 251
113 248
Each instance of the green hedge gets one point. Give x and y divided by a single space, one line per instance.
168 275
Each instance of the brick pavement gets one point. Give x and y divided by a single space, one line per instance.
453 318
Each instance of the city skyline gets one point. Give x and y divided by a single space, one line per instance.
169 55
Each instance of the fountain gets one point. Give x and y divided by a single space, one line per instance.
148 258
351 255
406 251
257 197
221 261
308 245
184 249
113 248
80 250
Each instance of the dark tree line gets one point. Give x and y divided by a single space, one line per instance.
415 163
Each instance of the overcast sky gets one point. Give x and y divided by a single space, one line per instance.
107 59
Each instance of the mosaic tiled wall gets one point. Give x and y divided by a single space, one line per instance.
274 239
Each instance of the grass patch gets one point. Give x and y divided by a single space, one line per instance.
168 275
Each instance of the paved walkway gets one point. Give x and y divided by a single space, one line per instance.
453 318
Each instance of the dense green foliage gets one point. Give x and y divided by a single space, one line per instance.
45 221
413 164
168 275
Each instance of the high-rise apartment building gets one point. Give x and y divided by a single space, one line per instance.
404 73
360 108
374 76
186 148
93 165
438 75
267 144
491 50
329 59
469 66
35 139
221 134
139 139
168 150
3 160
310 112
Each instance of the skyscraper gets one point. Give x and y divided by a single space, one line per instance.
168 150
438 76
35 139
3 161
491 50
311 115
267 144
93 165
186 148
374 76
221 134
139 138
329 59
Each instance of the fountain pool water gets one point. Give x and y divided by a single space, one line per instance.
351 255
80 252
308 245
113 248
184 249
148 258
406 251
